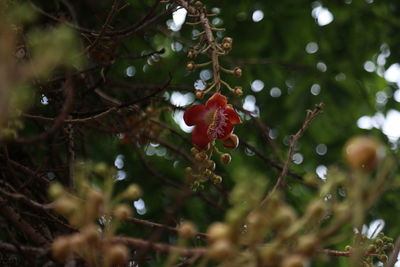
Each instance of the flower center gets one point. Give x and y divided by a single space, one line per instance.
216 123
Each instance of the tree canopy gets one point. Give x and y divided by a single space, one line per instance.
188 133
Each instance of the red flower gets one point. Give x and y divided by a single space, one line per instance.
214 120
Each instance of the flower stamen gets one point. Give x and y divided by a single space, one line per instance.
218 123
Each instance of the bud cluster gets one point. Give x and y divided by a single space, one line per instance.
84 209
204 168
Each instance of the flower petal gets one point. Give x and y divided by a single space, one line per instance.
199 135
217 100
194 115
233 117
228 129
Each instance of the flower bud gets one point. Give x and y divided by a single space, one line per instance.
194 150
216 179
293 261
101 169
231 142
187 230
64 206
283 218
201 156
77 241
226 46
207 172
211 165
188 170
226 158
227 40
91 234
191 66
362 153
133 192
118 255
122 212
218 231
61 248
220 250
238 91
56 190
199 94
307 244
191 54
95 199
371 249
198 4
237 72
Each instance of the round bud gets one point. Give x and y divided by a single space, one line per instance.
362 153
101 169
61 248
371 249
207 172
118 255
91 234
56 190
201 156
307 244
237 72
238 91
191 66
77 241
378 242
133 192
220 250
231 142
216 179
122 212
227 40
226 46
64 206
95 197
218 231
348 248
293 261
199 94
198 4
187 230
283 217
194 150
226 158
191 54
211 165
188 170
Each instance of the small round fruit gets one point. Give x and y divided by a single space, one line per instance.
362 153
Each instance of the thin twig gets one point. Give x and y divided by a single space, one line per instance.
159 247
311 115
159 225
